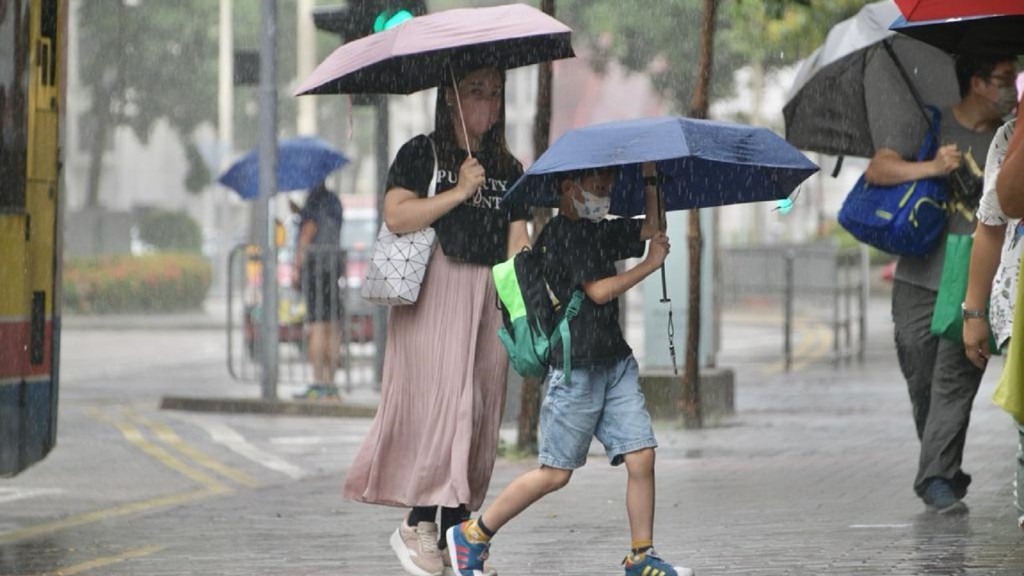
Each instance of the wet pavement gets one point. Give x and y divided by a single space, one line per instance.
811 476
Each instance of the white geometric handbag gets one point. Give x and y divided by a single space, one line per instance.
398 265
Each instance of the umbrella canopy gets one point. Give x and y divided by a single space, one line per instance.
849 96
302 163
919 10
1000 34
416 54
702 163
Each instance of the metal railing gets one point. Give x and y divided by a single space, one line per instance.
816 283
244 310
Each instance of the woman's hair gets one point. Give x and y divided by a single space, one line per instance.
492 142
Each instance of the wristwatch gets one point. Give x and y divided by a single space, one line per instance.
966 312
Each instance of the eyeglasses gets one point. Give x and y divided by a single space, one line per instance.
1002 80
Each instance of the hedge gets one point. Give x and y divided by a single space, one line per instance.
163 282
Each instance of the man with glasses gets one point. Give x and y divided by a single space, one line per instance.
941 380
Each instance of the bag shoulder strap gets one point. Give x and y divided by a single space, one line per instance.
432 189
561 332
931 139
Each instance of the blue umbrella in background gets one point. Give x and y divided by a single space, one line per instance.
702 163
302 163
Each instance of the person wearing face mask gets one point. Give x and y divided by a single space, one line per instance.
942 380
602 396
433 442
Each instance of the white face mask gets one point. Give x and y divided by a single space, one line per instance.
593 207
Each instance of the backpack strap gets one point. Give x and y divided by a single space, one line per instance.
572 309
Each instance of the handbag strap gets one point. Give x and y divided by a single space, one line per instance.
433 178
931 139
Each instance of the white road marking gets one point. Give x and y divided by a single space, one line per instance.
12 494
879 526
314 440
224 434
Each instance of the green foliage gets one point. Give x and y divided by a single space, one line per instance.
170 231
662 38
125 284
846 240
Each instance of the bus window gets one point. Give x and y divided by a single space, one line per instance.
14 66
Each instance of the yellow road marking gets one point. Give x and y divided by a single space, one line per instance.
134 435
105 514
211 487
106 561
170 438
815 342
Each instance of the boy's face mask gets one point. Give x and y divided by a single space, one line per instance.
593 207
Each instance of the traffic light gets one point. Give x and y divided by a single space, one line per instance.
359 18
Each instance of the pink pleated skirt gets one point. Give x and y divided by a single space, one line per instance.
434 439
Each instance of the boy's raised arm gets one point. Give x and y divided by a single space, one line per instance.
607 289
654 215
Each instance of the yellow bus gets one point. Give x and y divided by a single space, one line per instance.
32 60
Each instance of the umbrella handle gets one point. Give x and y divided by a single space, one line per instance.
458 103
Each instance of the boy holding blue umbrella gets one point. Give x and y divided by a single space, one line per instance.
601 397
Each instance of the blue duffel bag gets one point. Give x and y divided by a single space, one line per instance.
906 219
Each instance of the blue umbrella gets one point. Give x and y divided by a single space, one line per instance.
302 163
702 163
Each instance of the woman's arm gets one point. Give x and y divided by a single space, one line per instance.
518 237
405 211
985 256
1010 183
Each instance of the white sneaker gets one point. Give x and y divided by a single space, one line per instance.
416 549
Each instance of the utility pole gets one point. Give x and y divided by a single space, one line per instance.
305 116
268 186
225 127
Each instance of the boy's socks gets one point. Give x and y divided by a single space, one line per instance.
476 531
640 546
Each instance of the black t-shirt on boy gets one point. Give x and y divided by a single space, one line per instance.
579 251
477 230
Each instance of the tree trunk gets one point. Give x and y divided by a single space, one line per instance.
530 396
691 404
101 112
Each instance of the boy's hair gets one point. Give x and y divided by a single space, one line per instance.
577 175
981 65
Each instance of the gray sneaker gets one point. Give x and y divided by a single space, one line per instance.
939 496
416 549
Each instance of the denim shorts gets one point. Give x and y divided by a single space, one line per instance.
603 401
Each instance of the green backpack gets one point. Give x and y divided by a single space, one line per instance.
532 323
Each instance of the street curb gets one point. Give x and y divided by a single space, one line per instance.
320 409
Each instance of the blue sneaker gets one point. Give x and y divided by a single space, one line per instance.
940 497
650 564
467 557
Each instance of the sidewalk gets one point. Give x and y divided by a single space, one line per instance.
812 476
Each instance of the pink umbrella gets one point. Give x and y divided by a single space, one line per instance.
918 10
418 53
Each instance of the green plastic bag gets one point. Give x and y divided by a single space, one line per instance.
1009 393
947 319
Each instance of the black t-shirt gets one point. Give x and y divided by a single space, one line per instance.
579 251
477 230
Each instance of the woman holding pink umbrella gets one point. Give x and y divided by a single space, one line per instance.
433 442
